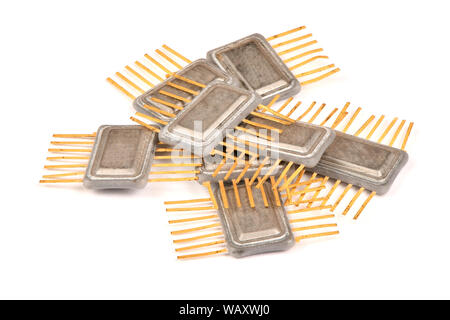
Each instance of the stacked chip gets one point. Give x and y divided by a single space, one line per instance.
219 113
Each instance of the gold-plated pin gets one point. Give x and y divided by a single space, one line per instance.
357 194
169 104
275 191
340 116
236 193
306 111
280 44
202 245
203 254
157 110
63 174
389 127
203 236
309 209
72 142
148 70
352 118
263 193
187 201
301 55
165 56
317 113
223 194
181 88
211 193
294 108
408 132
139 76
301 64
292 177
375 127
315 235
81 135
151 118
326 216
364 126
255 175
131 83
154 129
61 181
260 125
342 195
394 137
209 217
285 104
372 194
269 172
285 33
175 53
318 226
330 193
67 158
268 117
248 187
158 64
183 231
173 179
283 173
323 76
175 96
313 71
122 89
329 116
300 46
56 150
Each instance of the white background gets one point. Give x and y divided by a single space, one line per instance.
69 242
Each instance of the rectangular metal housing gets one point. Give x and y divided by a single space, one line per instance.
201 126
250 231
299 142
200 71
121 157
257 66
361 162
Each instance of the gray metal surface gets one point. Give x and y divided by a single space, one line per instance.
257 66
300 142
202 125
255 230
361 162
121 157
200 71
208 168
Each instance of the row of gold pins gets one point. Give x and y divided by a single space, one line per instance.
292 50
169 51
208 224
61 177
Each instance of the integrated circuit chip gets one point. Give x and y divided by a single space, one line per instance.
257 66
253 226
202 126
361 162
299 142
121 157
170 96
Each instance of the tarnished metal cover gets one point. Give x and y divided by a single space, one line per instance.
200 71
202 125
208 168
299 142
361 162
255 230
121 157
257 66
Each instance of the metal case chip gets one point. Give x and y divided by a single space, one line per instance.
201 126
257 66
299 142
362 162
253 230
200 71
121 157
